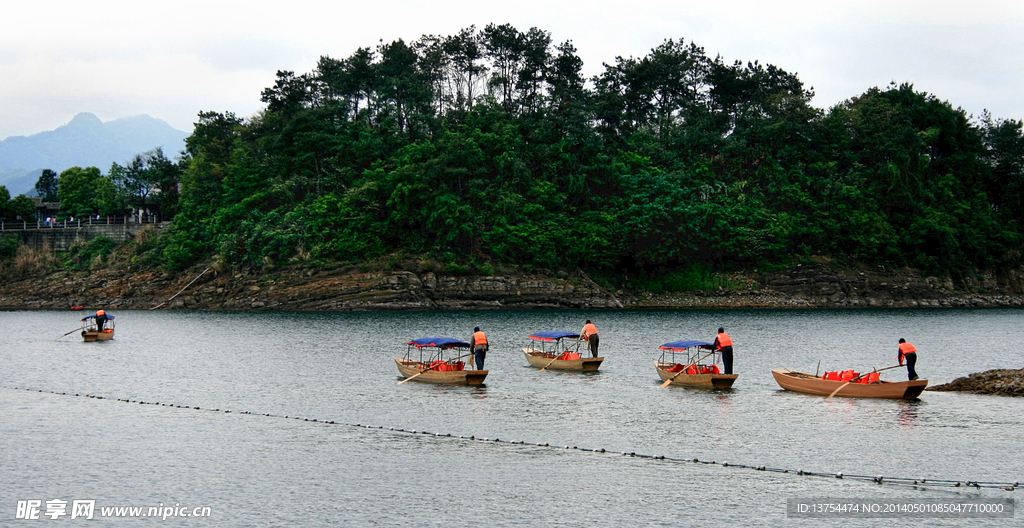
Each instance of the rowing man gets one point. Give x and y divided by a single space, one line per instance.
908 352
589 333
479 348
723 343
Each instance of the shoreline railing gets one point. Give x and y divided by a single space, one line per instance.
75 223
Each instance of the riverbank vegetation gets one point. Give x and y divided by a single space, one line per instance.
489 148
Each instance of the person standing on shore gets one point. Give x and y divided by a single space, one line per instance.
723 343
589 333
479 348
908 352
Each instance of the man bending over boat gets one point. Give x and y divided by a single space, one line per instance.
723 343
479 348
589 333
101 317
908 352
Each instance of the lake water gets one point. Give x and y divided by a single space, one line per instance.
260 470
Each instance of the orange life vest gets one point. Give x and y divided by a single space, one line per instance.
100 313
724 340
868 378
906 348
588 330
479 338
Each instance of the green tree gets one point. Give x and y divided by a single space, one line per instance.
5 198
46 186
490 146
147 178
85 192
21 207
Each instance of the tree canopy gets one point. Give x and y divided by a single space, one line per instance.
488 146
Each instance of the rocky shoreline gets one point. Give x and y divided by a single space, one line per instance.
302 289
1002 382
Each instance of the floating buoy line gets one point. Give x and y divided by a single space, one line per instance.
878 479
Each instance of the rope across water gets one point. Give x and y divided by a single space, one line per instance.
879 479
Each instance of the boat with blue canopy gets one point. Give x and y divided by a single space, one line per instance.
438 360
692 364
98 330
548 351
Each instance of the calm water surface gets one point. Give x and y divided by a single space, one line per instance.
255 470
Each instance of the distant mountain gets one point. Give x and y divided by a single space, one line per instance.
20 182
84 142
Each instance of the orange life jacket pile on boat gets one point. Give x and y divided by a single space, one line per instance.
442 366
848 375
569 355
693 370
869 378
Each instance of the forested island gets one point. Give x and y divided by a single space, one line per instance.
489 153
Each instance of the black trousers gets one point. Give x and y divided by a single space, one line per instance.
593 341
911 361
479 354
727 359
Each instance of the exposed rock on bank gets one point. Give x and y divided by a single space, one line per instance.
820 286
299 289
1003 382
295 288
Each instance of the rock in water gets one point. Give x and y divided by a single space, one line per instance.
1002 382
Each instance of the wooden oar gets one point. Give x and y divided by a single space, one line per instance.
859 377
545 367
669 381
75 330
420 373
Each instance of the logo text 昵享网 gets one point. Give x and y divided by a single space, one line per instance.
86 509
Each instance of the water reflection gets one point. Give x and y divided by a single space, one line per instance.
907 414
479 392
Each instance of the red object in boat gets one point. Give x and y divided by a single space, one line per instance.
77 307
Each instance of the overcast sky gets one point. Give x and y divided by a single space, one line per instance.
173 60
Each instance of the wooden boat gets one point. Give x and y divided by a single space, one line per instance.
91 331
695 372
811 384
106 335
557 357
438 360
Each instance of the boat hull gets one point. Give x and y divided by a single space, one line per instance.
97 336
696 381
409 368
810 384
540 360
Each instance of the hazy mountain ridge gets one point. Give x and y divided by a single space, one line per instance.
85 141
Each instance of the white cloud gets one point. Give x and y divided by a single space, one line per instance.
171 61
